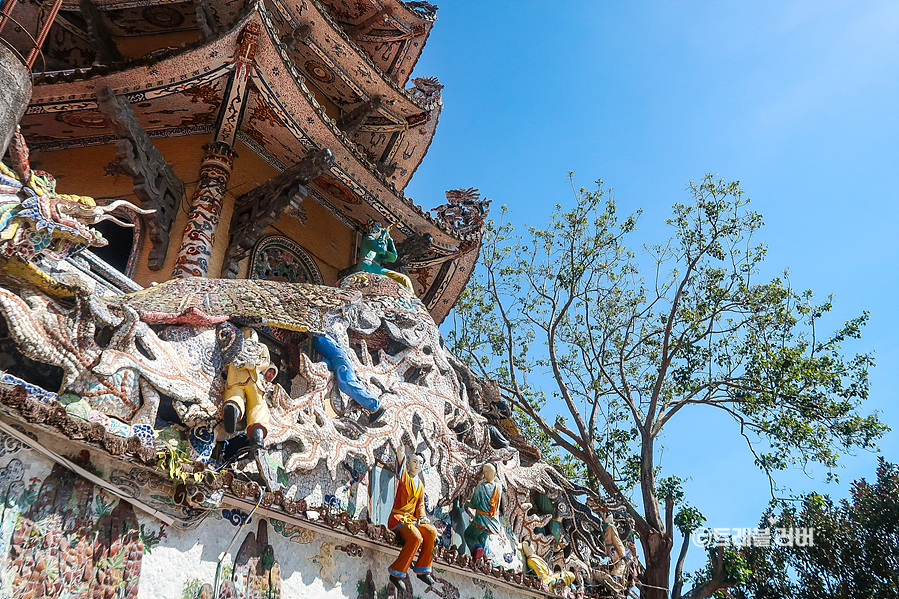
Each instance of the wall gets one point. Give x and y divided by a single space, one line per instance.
62 536
81 171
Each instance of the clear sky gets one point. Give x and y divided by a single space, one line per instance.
797 100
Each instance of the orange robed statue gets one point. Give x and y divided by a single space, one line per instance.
408 520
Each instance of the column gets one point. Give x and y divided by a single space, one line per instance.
215 170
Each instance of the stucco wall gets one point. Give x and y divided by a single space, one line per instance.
60 535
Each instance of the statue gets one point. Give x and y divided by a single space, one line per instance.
248 378
338 361
36 220
541 569
408 520
376 248
484 507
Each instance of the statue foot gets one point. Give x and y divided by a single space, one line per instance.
373 417
257 437
478 552
426 578
397 583
497 439
232 415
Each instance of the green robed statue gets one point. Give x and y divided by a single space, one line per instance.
377 248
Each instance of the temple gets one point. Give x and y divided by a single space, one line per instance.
220 343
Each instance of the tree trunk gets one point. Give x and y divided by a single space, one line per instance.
679 568
657 552
718 581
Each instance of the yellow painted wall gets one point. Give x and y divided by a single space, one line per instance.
329 241
81 171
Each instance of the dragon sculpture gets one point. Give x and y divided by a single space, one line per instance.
149 364
127 355
36 220
465 211
426 89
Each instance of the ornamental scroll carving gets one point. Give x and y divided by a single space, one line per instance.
155 183
259 208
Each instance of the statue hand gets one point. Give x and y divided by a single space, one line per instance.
424 520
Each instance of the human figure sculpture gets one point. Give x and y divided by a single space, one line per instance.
377 248
484 507
245 388
542 570
338 361
408 520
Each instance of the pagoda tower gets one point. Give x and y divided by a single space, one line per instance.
261 134
221 368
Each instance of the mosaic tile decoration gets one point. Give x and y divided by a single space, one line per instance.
397 134
277 258
142 373
394 41
177 96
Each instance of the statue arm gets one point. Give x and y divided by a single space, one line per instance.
420 506
390 255
400 465
367 248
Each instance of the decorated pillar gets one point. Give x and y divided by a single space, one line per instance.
215 170
205 209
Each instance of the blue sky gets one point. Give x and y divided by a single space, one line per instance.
797 100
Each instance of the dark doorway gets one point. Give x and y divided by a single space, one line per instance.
121 242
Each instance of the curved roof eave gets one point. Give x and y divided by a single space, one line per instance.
283 88
356 53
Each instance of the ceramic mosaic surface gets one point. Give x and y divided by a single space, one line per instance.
184 93
402 130
394 32
320 448
277 258
145 434
62 536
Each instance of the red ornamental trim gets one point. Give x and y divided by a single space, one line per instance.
247 50
248 42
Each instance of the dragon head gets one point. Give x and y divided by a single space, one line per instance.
35 219
59 225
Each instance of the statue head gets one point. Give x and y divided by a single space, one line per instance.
374 227
489 472
415 464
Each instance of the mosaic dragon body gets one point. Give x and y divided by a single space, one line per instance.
173 340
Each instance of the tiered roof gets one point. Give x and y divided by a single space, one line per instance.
325 76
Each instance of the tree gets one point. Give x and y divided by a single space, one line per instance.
854 550
626 347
